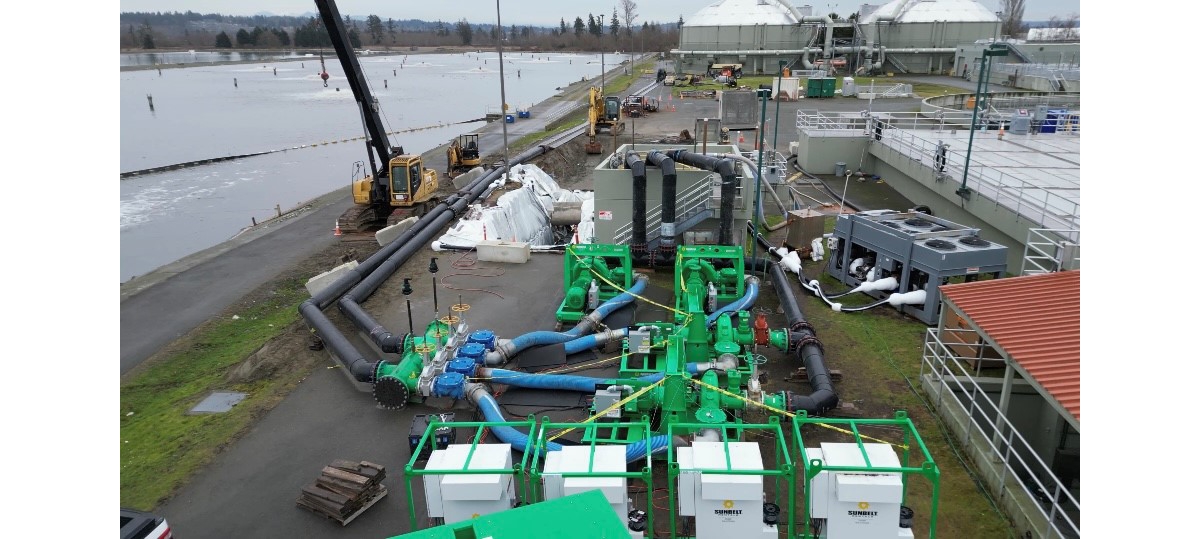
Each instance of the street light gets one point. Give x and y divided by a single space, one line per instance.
503 101
999 15
995 49
762 132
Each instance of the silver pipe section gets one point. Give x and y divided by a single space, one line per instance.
754 168
724 362
505 349
828 22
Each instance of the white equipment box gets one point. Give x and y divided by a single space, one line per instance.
725 506
574 459
857 505
459 497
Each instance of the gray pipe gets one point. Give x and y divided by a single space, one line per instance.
726 169
360 367
666 244
637 245
803 339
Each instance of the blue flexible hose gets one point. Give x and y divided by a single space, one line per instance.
740 304
508 435
637 450
569 382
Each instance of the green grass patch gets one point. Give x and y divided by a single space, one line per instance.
162 446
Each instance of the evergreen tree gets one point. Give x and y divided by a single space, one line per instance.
579 26
614 24
223 41
464 30
375 28
243 38
391 29
355 41
562 26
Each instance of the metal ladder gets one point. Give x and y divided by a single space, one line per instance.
1060 81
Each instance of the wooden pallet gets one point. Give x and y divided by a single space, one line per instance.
347 519
344 490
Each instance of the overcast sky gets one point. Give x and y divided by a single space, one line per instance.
539 12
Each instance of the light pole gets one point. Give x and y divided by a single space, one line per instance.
995 49
762 134
503 101
778 87
999 15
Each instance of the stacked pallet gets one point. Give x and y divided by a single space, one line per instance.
344 490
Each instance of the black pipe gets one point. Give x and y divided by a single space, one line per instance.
665 254
803 339
394 255
727 169
637 245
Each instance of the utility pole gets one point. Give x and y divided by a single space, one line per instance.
503 101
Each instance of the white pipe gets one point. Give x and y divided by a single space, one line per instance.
889 283
916 297
789 259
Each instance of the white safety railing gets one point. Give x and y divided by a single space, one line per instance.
1048 71
956 386
1048 251
1043 206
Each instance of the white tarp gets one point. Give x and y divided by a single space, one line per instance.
520 215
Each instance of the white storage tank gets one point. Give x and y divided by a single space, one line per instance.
459 497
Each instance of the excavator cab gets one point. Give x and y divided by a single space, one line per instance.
612 108
463 154
411 184
470 148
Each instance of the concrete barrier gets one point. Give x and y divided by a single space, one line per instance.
465 179
389 234
502 251
318 283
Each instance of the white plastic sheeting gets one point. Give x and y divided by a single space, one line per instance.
520 215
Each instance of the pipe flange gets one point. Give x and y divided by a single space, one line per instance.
390 393
801 326
810 339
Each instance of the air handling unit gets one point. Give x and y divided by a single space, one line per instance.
905 257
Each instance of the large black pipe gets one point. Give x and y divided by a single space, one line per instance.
382 265
802 339
637 245
727 169
666 244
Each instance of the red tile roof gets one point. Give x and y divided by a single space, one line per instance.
1035 320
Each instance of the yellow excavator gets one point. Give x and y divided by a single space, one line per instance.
604 112
399 186
463 154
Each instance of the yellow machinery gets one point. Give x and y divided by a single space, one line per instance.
400 186
463 154
604 112
407 190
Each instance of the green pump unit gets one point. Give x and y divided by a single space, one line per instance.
592 274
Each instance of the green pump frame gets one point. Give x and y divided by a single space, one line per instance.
609 265
783 472
910 438
517 470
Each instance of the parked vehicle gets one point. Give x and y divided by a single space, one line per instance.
669 80
142 525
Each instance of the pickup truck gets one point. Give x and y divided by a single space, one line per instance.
669 81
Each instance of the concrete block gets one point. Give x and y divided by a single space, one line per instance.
502 251
866 95
389 234
464 179
320 282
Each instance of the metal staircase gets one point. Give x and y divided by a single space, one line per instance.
692 207
896 62
1060 82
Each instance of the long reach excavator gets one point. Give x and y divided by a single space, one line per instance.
399 186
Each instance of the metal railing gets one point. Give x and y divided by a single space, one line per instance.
1048 71
688 203
956 386
1048 251
1038 204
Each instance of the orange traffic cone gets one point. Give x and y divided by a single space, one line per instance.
337 227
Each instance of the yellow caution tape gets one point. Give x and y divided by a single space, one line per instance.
787 413
615 405
688 316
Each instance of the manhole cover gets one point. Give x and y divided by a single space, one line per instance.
218 402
